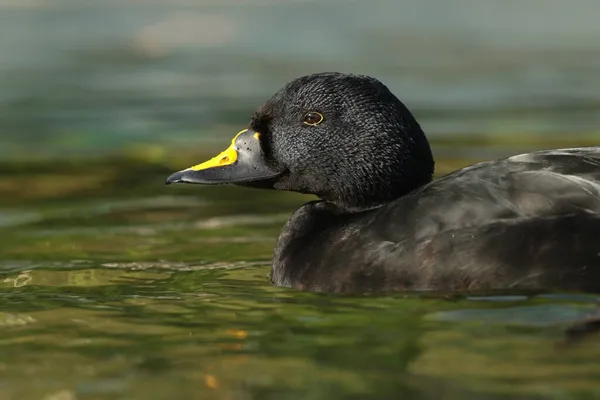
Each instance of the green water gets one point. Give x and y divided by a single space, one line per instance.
114 286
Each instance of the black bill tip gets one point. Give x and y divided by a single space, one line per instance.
177 177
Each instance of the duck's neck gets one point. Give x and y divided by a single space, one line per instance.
375 195
348 208
365 185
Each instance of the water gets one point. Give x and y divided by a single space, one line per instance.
113 286
80 77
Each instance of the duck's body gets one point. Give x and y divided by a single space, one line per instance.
526 222
530 221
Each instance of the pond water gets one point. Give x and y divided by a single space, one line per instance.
113 286
101 76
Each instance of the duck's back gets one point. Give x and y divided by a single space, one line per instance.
534 185
528 221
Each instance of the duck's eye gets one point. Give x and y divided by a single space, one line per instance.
313 118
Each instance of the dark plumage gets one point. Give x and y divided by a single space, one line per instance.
526 222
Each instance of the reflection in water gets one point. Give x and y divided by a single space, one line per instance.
111 290
228 333
157 298
539 315
7 320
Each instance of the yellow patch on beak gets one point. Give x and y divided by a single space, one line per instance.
227 157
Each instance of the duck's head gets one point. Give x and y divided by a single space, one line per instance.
345 138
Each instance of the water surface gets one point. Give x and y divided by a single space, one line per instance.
113 286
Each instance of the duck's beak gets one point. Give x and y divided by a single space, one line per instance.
242 161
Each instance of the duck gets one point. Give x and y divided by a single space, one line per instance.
380 222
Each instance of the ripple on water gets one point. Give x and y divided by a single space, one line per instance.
180 306
174 266
16 217
526 315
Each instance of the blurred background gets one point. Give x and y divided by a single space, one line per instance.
114 286
97 77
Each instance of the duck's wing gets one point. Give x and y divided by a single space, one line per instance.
559 252
528 221
540 184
